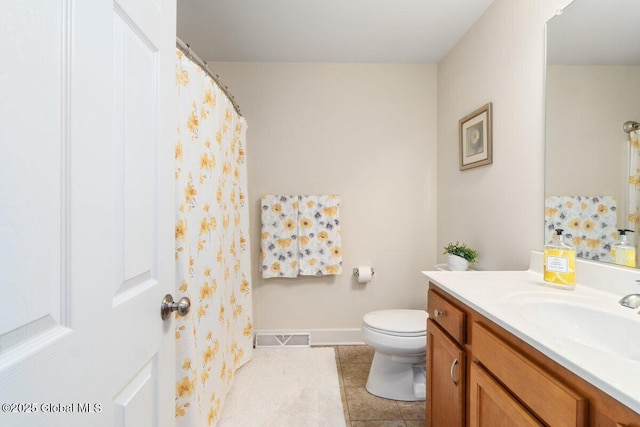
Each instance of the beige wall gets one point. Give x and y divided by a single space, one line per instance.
366 132
497 209
586 146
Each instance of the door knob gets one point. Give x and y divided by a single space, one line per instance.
168 306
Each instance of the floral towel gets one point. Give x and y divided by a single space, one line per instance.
319 235
279 249
300 236
589 223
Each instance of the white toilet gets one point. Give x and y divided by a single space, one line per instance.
399 338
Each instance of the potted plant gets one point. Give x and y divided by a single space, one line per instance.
460 256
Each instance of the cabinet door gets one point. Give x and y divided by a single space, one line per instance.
549 398
445 379
490 405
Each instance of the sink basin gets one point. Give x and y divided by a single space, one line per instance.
596 327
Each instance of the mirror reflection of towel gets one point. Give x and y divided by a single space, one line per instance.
590 223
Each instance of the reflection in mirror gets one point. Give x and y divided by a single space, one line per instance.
592 89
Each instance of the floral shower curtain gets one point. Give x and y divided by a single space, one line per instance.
634 185
212 247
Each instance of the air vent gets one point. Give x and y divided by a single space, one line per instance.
298 339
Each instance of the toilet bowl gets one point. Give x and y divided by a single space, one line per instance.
399 340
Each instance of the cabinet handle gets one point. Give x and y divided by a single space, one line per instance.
438 313
453 366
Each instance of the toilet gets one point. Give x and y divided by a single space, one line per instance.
399 340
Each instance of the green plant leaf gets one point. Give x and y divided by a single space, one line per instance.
462 250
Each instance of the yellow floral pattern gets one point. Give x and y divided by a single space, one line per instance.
279 247
589 223
633 222
320 229
212 247
300 236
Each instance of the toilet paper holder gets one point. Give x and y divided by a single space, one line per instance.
356 272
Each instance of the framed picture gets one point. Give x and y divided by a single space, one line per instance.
476 148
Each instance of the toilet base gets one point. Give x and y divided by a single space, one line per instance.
392 379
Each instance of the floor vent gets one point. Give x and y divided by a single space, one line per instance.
298 339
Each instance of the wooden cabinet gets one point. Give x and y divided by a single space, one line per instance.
492 406
545 396
445 379
447 316
551 401
446 366
478 374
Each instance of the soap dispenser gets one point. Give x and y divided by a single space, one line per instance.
560 262
623 252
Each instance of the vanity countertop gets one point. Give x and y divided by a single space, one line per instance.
512 299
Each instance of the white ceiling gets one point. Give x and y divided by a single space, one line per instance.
374 31
595 32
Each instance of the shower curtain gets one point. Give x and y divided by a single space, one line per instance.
634 186
212 247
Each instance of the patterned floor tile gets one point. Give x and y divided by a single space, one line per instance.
365 406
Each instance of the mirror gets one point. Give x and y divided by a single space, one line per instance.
592 89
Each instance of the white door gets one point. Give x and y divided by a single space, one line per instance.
87 131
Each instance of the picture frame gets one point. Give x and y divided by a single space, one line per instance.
475 138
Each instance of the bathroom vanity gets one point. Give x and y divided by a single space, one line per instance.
503 349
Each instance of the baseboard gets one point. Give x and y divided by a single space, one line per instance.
323 336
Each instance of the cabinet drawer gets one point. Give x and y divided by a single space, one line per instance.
549 399
449 317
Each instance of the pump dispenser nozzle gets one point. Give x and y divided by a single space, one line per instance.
622 234
557 235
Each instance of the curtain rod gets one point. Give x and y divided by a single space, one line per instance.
186 49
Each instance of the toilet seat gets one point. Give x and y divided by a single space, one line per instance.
399 323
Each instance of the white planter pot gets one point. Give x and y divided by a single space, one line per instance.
456 263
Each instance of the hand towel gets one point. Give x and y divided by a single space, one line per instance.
279 239
319 241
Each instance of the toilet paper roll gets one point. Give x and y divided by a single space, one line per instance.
364 274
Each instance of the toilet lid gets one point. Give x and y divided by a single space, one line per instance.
398 322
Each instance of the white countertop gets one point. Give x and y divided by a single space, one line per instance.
496 295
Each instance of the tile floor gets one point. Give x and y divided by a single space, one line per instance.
362 409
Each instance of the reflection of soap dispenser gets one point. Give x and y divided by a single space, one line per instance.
560 262
623 252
